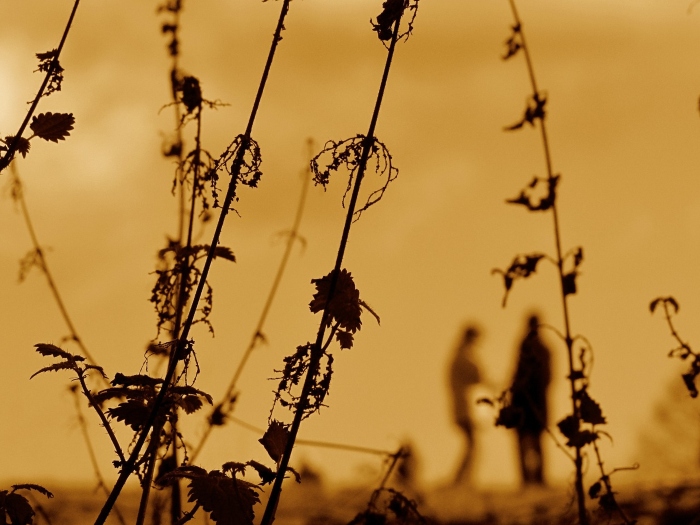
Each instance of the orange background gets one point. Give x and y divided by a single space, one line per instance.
623 82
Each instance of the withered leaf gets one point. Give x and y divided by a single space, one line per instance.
590 410
344 338
52 126
595 489
275 440
344 307
267 475
16 507
47 349
568 282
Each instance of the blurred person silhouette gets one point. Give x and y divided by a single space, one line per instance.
529 399
464 374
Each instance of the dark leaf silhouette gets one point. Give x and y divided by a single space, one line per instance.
190 93
513 43
344 338
510 417
393 9
267 475
47 61
568 283
229 501
23 144
590 410
52 126
16 508
275 440
664 300
33 486
344 308
50 350
133 413
348 154
522 266
533 111
546 202
689 380
595 489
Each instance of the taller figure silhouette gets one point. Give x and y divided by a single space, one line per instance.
529 397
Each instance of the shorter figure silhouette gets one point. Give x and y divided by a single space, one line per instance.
464 374
529 399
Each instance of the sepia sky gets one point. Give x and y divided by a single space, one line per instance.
622 80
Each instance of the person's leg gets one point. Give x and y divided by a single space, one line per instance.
464 469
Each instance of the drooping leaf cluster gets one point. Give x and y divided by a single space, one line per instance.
347 154
241 160
292 375
683 351
170 27
15 509
176 261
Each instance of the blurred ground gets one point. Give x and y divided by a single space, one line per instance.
313 504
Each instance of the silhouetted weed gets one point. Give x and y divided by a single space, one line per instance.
581 428
15 508
683 351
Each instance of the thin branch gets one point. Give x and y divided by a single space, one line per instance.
12 146
225 404
316 350
18 196
129 466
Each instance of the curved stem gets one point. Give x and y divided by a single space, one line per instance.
103 418
12 147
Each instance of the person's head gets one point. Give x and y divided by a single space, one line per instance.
533 323
471 334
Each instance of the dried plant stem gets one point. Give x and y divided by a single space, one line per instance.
91 451
14 143
578 458
258 331
317 349
129 466
18 194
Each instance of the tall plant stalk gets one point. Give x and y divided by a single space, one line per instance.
581 427
568 339
317 350
181 349
223 409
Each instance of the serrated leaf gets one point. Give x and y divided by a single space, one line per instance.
345 339
190 404
23 145
52 126
133 413
65 365
138 380
50 350
17 509
33 486
275 440
344 307
590 410
228 501
225 253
